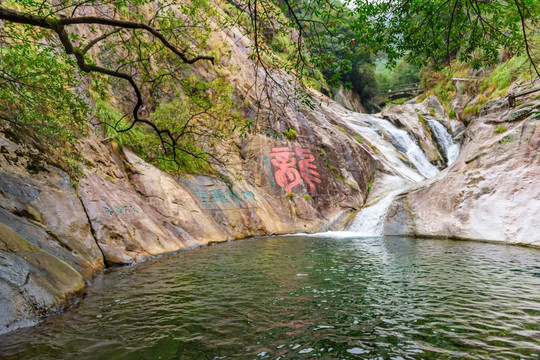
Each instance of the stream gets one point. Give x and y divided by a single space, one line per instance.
336 295
331 296
393 146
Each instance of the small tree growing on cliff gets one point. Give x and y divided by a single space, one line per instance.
145 46
141 44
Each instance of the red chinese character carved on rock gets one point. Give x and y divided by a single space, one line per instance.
308 169
286 175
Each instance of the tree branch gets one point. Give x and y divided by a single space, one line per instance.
524 30
133 25
58 26
98 39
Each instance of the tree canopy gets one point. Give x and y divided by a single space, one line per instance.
141 51
435 32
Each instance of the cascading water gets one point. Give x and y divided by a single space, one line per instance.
450 149
370 220
403 142
365 125
393 147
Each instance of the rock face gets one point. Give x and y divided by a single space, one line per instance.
33 282
55 237
348 99
491 192
46 246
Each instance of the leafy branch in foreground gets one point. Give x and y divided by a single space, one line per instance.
435 32
134 37
201 113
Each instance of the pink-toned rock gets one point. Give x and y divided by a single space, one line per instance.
492 192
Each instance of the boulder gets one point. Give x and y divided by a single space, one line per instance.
491 192
33 283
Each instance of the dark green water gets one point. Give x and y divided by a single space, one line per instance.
305 298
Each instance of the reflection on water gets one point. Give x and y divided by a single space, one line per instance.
299 297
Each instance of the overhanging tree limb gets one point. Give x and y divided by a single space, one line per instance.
524 30
58 25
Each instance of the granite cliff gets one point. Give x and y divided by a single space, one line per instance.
58 230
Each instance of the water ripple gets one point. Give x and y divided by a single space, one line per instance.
298 297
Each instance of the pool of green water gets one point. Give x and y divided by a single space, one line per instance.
305 297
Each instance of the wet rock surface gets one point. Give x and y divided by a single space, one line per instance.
492 191
46 246
125 210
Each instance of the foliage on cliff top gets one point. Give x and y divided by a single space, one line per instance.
489 83
136 54
143 48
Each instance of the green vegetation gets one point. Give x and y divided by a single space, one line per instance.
307 197
472 110
506 139
201 112
333 50
36 95
340 129
500 129
358 139
40 104
504 75
434 32
441 85
338 176
494 84
400 101
290 133
403 73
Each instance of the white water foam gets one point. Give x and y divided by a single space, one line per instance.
403 142
364 125
370 220
444 139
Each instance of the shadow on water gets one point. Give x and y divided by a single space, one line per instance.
330 296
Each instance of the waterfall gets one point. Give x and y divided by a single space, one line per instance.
403 142
366 125
370 220
396 150
450 149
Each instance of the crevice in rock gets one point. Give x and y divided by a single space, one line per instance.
92 231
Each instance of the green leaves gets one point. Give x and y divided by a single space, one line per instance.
202 115
37 93
435 32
